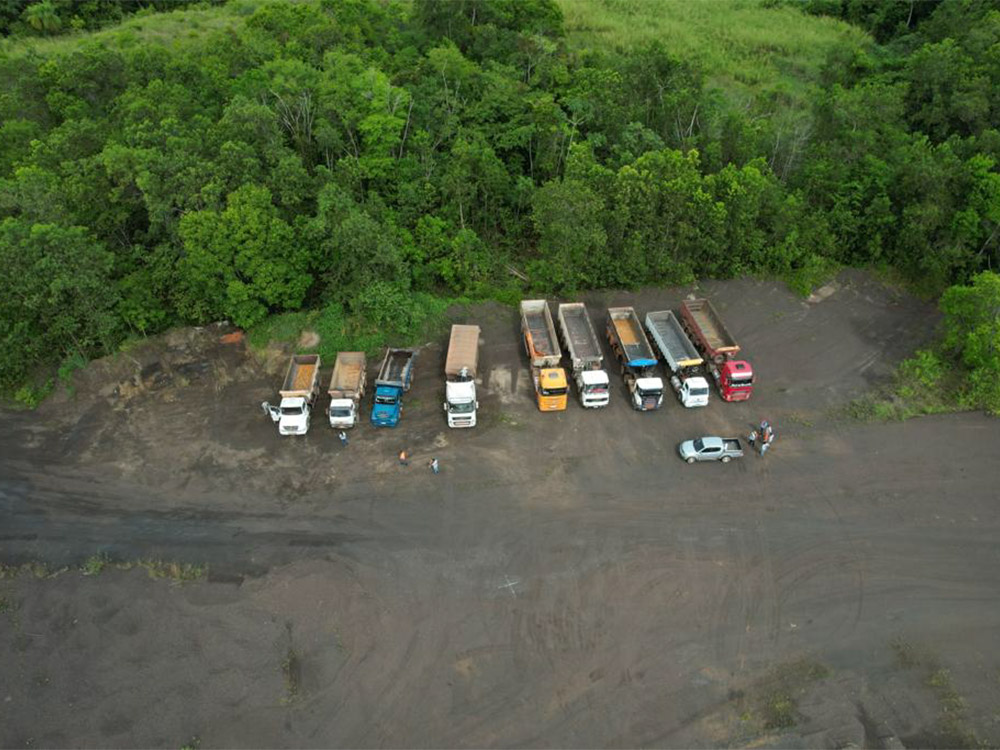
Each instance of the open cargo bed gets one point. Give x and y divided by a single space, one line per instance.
347 372
669 336
395 365
630 336
702 315
301 375
579 332
463 351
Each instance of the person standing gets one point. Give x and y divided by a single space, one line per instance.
343 438
752 439
403 459
435 466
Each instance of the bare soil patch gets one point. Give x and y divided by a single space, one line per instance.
564 581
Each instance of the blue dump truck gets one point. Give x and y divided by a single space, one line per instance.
393 381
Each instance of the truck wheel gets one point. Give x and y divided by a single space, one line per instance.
690 460
725 459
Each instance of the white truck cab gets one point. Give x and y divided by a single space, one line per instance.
691 391
648 393
343 413
594 387
294 419
461 404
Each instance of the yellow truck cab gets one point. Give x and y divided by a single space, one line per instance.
552 389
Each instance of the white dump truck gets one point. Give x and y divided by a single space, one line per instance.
585 355
460 369
298 394
636 358
684 363
347 388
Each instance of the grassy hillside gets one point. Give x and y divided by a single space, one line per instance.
747 48
168 29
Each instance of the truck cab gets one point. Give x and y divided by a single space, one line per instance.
552 389
387 407
294 417
343 413
594 387
460 400
647 394
734 379
692 391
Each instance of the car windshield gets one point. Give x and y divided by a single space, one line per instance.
462 408
699 444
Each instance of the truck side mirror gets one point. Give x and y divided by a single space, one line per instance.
444 406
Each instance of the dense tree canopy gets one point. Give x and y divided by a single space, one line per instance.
355 153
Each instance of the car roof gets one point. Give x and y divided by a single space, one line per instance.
711 442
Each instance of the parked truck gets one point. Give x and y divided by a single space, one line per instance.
298 394
347 388
393 381
544 354
711 448
635 358
460 368
733 377
585 355
684 363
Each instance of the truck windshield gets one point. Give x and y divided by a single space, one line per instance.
467 408
741 381
387 400
598 389
291 411
651 394
699 391
553 391
340 411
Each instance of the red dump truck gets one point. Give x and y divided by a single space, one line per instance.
733 377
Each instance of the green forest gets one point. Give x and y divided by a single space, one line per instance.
363 162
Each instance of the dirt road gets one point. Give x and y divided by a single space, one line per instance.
565 580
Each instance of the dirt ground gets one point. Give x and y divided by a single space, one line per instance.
565 581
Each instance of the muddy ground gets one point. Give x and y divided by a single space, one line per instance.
565 581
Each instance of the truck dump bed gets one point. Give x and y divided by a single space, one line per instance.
463 351
300 379
630 336
347 374
669 335
702 316
578 332
540 333
394 366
